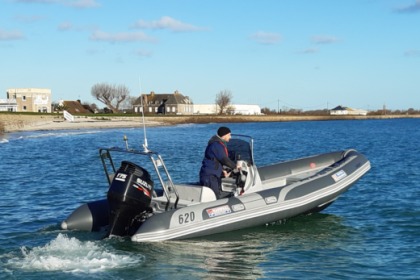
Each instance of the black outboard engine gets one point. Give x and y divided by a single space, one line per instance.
129 198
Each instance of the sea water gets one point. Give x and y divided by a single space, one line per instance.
371 232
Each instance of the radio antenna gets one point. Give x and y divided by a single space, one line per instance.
146 149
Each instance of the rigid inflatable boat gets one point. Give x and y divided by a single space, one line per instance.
146 205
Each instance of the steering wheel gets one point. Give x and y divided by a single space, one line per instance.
241 176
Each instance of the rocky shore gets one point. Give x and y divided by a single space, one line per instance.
12 122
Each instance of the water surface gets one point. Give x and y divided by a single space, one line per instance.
371 232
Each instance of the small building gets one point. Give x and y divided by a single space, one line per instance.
205 109
339 110
31 99
346 111
8 105
234 109
164 103
75 107
245 109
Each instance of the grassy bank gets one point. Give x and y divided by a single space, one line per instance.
264 118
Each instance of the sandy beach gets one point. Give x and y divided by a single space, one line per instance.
14 122
27 122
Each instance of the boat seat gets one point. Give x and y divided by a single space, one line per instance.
189 194
273 172
207 194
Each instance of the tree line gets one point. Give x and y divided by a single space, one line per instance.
115 97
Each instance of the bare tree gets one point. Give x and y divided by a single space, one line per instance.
112 96
128 103
230 110
223 99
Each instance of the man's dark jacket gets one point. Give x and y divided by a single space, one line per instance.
215 156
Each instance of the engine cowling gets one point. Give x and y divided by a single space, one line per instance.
129 198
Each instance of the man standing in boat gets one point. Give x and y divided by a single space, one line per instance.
215 157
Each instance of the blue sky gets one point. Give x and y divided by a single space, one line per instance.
301 54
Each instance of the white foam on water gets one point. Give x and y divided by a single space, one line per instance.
3 140
74 256
48 134
61 133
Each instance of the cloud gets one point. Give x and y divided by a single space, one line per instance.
28 19
169 23
92 51
412 8
10 35
143 53
412 53
309 51
82 4
37 1
121 37
79 4
64 26
324 39
266 38
69 26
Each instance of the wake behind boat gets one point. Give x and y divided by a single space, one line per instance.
144 203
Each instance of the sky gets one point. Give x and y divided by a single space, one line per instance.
278 54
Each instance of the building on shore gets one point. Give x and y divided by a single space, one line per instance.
233 109
8 105
75 107
164 103
179 104
205 109
30 99
245 109
347 111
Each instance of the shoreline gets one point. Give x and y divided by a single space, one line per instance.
25 122
20 123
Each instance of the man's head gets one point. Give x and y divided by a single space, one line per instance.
224 133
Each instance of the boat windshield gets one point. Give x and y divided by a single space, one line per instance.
240 148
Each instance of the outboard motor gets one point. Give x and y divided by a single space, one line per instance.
129 198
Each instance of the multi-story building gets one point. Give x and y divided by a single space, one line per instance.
165 103
31 99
